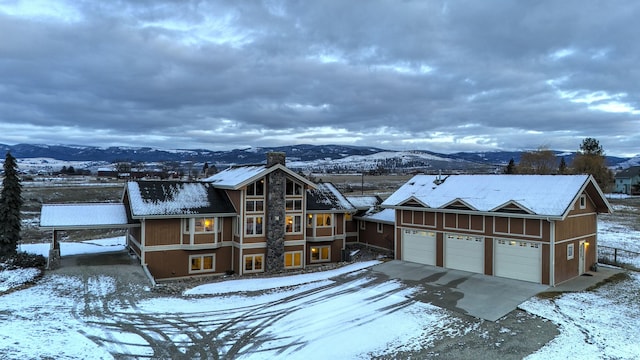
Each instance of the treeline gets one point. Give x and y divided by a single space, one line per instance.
590 159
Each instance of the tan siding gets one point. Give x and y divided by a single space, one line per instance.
573 227
532 227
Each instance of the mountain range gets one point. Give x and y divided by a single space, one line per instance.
310 157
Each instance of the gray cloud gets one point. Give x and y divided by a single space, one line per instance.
436 75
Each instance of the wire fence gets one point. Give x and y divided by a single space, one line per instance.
619 257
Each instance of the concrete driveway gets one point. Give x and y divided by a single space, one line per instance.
481 296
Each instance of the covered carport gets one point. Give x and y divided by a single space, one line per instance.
86 216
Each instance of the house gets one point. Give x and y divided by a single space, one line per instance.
362 204
328 213
628 181
538 228
245 219
375 227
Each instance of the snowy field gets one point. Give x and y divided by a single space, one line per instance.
82 317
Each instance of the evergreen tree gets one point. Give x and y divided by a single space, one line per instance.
511 168
10 204
562 168
591 160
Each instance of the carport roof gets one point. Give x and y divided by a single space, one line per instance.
83 216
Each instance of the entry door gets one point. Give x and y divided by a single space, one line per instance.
581 255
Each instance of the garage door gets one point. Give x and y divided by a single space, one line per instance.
464 252
520 260
419 246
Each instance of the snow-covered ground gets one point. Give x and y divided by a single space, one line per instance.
55 317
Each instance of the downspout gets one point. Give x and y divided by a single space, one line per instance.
552 253
242 230
143 232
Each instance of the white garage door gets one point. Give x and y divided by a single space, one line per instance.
520 260
419 246
464 252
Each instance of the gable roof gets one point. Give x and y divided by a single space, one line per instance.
629 173
538 195
327 198
236 177
162 198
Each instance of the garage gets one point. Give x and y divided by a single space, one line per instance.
515 259
419 246
464 252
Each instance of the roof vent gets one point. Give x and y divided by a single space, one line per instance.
439 179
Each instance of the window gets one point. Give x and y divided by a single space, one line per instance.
293 224
293 188
583 201
200 225
569 251
295 205
236 228
348 217
323 220
363 225
253 225
320 254
380 227
201 263
256 188
292 259
253 263
254 206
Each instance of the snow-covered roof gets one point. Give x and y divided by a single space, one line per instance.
327 198
543 195
385 216
364 202
83 215
234 176
149 198
237 177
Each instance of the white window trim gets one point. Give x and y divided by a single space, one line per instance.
254 201
202 256
320 253
253 262
255 226
570 251
583 202
363 225
292 253
293 216
380 227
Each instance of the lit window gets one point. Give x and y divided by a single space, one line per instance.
293 259
200 225
253 263
253 225
569 251
293 224
348 217
201 263
323 220
320 254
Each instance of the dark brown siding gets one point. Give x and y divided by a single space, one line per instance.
175 263
440 249
162 232
488 256
370 236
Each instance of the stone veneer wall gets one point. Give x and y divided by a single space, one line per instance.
276 184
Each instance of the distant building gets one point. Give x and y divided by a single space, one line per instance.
628 181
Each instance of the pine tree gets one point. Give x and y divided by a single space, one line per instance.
562 169
10 204
511 168
591 160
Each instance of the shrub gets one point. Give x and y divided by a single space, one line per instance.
24 260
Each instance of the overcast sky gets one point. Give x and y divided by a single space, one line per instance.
445 76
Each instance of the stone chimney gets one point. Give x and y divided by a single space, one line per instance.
274 158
